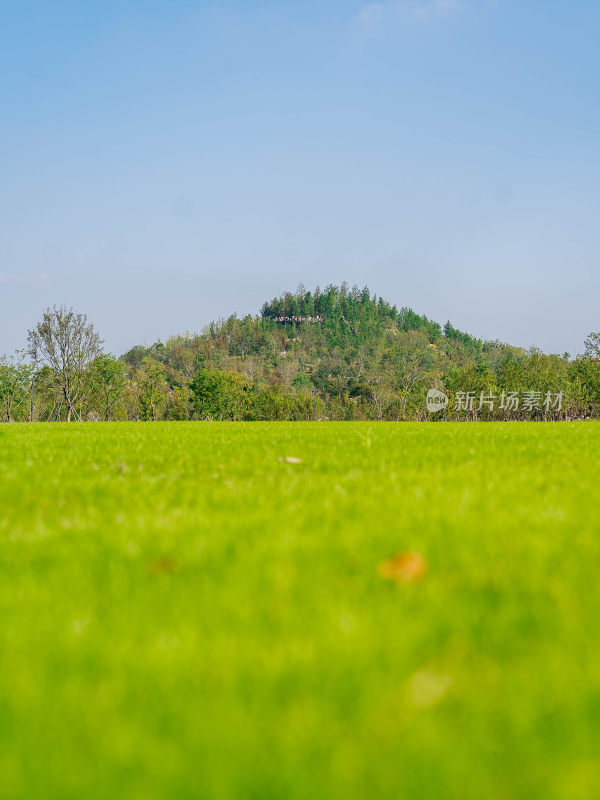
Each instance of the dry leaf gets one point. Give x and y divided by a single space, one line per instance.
403 567
158 566
290 460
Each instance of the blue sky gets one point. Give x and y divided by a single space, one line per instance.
163 164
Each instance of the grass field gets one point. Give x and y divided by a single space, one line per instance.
185 615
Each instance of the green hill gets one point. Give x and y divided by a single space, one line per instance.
336 354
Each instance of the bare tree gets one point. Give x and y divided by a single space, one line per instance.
68 343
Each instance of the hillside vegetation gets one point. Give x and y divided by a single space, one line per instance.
339 354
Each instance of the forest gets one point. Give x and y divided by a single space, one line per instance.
335 354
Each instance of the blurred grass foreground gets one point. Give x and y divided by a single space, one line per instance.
297 610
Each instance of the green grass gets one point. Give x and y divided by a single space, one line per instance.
184 616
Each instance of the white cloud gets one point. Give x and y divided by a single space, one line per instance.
417 10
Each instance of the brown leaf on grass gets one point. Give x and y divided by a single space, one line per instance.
162 565
404 567
290 460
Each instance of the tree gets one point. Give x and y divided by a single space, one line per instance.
585 375
68 343
15 378
183 360
108 374
220 395
413 358
152 386
592 346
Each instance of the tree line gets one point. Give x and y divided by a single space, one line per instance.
336 354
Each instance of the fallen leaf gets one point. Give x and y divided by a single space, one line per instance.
159 566
403 567
290 460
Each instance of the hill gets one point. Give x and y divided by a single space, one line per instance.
346 354
339 354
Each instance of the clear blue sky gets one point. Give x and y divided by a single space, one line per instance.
167 163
